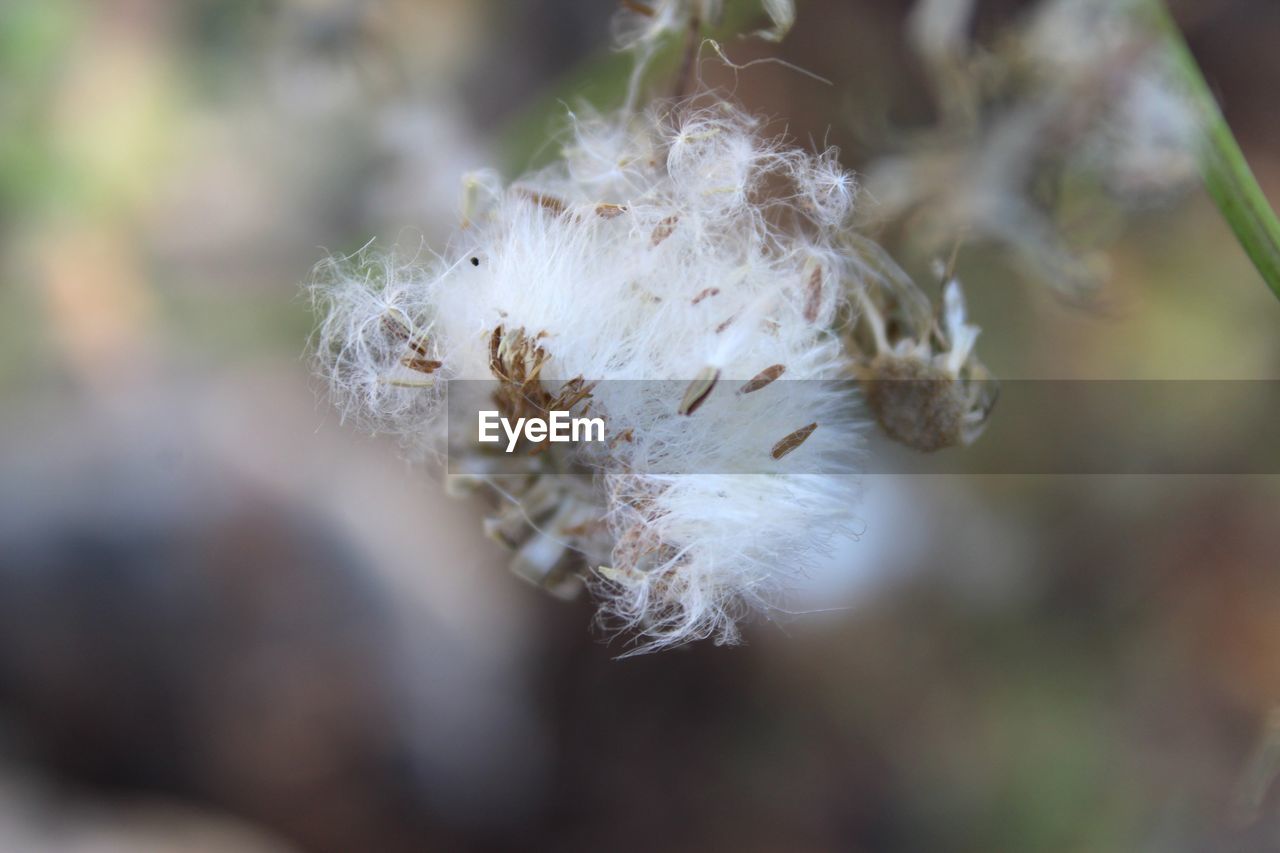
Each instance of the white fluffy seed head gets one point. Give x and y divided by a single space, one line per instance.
680 247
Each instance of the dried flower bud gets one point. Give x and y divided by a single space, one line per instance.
920 376
918 404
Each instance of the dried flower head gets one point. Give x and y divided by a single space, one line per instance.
1141 128
679 246
1077 89
920 375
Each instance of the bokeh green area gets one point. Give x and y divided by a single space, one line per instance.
1072 664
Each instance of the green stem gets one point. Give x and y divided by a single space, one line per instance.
1225 171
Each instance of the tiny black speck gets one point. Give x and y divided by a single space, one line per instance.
475 262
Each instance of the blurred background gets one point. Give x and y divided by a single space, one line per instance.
229 623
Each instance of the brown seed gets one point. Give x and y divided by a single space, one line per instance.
710 291
664 229
792 441
422 365
395 327
726 324
762 379
495 344
813 298
546 202
698 391
606 210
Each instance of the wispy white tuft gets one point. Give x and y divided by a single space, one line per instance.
375 334
1143 142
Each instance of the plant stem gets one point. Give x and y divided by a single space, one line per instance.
1225 171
